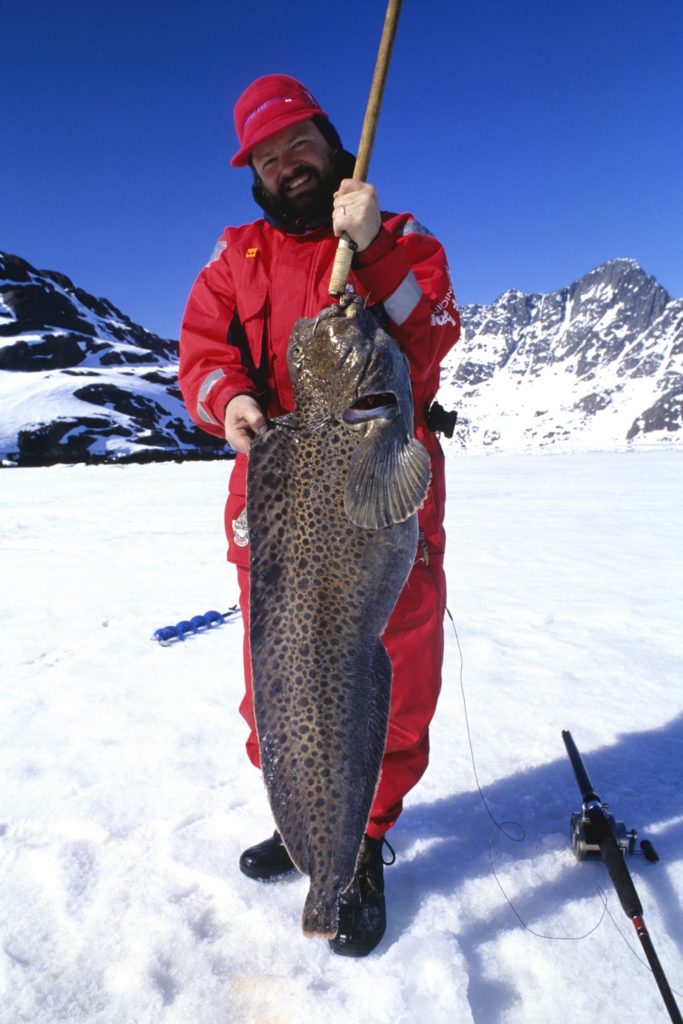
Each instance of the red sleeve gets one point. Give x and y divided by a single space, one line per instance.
405 269
212 359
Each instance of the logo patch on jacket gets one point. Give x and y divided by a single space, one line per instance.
240 529
251 253
445 312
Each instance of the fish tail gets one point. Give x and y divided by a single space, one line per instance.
320 919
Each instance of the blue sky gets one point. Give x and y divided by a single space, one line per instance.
537 139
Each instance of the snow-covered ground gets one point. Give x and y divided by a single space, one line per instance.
127 798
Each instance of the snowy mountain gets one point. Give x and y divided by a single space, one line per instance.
596 365
80 382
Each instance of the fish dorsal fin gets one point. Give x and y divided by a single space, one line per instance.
388 477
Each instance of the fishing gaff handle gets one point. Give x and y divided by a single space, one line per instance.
344 255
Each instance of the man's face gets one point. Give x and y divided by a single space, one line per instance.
296 167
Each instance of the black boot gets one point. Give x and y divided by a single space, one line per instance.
362 915
266 860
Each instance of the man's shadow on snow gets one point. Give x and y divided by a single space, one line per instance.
640 777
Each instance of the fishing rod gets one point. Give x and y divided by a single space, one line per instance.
595 832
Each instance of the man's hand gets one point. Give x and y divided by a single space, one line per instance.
243 421
356 211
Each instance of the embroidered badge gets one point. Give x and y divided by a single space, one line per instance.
240 529
251 253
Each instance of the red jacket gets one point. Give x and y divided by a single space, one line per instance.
260 279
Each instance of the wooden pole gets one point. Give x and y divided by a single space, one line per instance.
345 249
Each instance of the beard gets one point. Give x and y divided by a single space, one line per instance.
312 201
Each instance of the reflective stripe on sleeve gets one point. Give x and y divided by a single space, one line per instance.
217 250
403 301
413 227
204 390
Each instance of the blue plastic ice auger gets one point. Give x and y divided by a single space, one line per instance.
166 635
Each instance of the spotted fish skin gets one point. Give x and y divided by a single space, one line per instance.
323 588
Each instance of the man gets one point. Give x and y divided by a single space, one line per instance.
233 372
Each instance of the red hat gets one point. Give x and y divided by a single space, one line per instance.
266 107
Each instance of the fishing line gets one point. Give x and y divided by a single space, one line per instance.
504 825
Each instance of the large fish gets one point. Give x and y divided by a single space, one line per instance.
333 489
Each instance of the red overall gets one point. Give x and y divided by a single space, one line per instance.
234 338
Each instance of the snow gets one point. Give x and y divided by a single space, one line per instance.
128 798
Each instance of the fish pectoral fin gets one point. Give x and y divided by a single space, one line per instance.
388 477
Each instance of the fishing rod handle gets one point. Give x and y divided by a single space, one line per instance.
621 877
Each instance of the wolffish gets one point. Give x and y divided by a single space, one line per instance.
333 490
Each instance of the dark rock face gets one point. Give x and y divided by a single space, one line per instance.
666 415
40 306
80 382
597 364
49 352
45 444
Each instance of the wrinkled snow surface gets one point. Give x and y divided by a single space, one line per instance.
127 797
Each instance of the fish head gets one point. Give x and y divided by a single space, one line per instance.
346 370
345 367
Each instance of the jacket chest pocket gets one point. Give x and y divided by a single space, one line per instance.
252 311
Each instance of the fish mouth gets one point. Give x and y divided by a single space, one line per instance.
380 406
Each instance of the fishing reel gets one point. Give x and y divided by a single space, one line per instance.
585 842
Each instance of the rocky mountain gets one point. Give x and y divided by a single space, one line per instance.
596 365
80 382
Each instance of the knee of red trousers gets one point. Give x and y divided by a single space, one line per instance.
401 770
